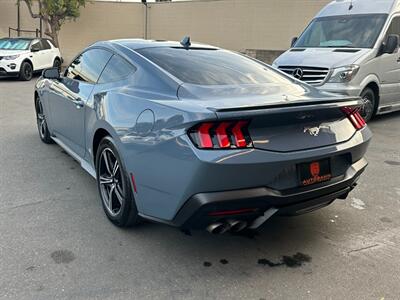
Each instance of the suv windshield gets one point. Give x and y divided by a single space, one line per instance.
205 66
14 44
352 31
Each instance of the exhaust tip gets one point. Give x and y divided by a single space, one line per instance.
236 225
218 228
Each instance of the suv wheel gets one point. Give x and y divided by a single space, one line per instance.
114 187
26 71
57 64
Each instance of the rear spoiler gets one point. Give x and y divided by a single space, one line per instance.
286 107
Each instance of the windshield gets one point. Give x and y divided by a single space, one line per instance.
211 66
14 44
352 31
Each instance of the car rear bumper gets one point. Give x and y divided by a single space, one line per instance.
195 213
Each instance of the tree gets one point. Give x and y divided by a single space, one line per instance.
54 13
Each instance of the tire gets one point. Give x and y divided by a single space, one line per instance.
57 64
44 133
26 71
370 104
113 183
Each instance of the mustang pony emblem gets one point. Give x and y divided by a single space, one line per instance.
314 131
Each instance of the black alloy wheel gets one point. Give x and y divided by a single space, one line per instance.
26 72
44 133
114 187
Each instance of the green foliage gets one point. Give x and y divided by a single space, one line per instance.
55 13
66 9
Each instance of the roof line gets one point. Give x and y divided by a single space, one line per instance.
178 81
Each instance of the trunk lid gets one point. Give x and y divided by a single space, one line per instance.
300 130
283 118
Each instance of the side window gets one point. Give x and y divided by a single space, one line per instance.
88 66
51 43
116 69
394 27
45 45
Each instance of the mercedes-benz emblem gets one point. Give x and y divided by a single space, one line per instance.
298 73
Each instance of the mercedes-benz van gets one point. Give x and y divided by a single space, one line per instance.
351 48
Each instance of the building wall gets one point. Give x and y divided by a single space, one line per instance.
234 24
8 17
102 21
264 26
98 21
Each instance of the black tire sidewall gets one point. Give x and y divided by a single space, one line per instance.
128 215
46 138
22 75
57 64
371 94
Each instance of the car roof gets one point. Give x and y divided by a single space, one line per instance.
136 44
353 7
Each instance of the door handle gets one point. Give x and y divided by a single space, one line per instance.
398 60
78 103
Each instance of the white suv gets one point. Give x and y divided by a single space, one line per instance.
23 56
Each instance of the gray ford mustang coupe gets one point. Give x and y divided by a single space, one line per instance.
199 137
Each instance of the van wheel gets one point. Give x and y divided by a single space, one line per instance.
369 106
26 71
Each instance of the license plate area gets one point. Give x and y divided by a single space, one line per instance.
314 172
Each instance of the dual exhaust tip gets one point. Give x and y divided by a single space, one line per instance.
223 227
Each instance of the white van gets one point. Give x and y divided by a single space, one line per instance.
351 48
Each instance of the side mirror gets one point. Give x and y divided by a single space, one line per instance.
51 73
35 48
294 40
390 45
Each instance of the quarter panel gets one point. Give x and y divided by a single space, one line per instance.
116 109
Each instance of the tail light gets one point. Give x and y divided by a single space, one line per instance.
221 135
354 116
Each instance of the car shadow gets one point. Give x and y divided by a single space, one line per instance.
16 79
282 242
385 117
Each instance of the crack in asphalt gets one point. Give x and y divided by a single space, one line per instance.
363 248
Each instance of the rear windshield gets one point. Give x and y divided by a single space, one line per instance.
210 66
14 44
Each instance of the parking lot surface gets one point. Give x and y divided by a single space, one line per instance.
56 243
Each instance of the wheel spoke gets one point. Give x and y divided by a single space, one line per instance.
110 195
106 162
105 180
115 168
43 127
118 193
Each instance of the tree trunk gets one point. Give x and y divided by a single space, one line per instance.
52 32
51 23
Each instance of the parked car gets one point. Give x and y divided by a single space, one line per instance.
22 57
351 48
195 136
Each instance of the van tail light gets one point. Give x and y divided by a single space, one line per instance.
221 135
353 114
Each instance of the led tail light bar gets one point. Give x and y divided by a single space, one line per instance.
354 116
221 135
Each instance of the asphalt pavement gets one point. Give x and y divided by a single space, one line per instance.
56 243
